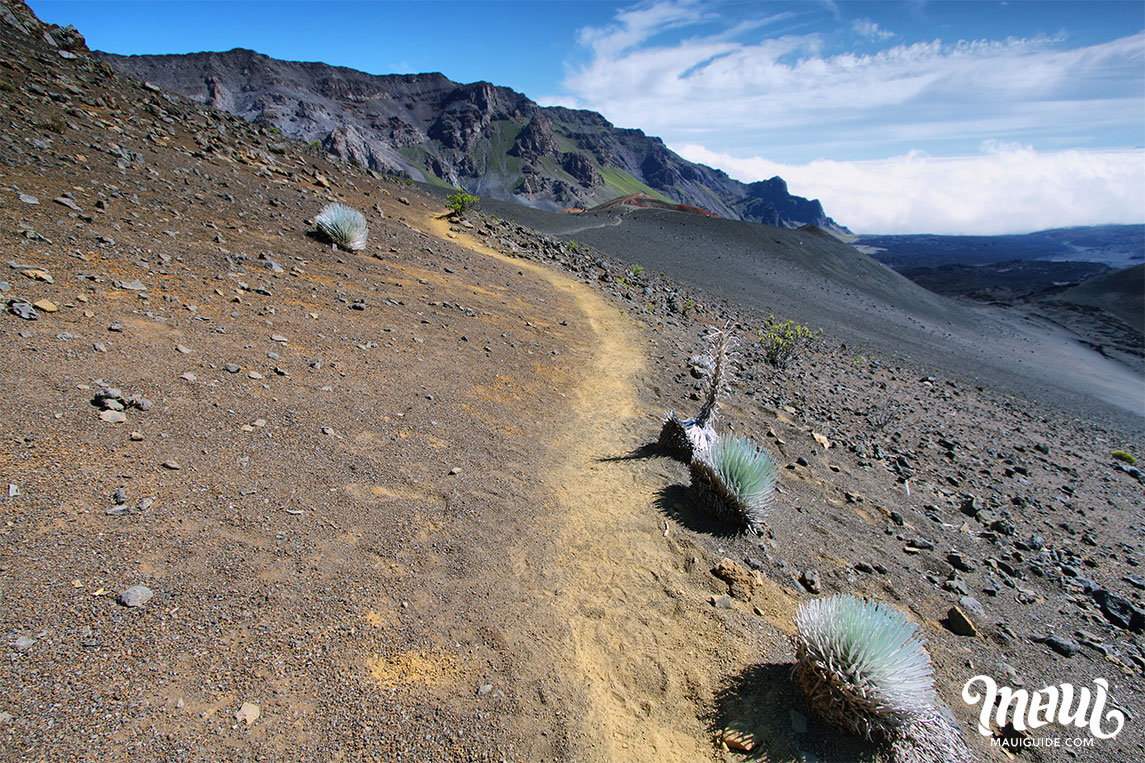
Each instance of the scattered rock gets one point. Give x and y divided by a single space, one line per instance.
959 623
112 417
1062 646
248 713
741 584
810 581
46 305
721 602
136 596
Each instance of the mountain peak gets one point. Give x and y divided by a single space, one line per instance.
485 138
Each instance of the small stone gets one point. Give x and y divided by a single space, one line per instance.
248 713
959 623
721 602
1062 646
188 377
484 689
135 596
738 740
255 375
231 368
455 470
23 643
278 338
183 349
136 436
47 305
115 328
135 285
66 202
810 581
38 275
29 199
972 606
112 417
172 465
23 309
327 431
119 496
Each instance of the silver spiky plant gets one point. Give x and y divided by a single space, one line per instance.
734 479
344 225
862 665
681 438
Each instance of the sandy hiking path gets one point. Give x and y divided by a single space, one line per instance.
645 648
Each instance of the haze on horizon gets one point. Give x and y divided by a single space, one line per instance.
901 117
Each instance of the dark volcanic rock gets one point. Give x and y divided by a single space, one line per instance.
460 133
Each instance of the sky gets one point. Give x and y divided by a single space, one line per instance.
965 117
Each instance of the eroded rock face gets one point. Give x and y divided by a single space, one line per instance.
581 168
535 141
475 134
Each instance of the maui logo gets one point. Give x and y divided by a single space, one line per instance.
1053 704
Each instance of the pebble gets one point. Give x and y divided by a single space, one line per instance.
189 377
172 465
112 417
959 623
231 368
248 713
29 199
484 689
23 643
135 596
183 349
810 581
1062 646
22 309
721 602
47 305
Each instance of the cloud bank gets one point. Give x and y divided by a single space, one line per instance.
1006 188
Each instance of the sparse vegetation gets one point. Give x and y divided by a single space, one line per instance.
461 202
783 342
343 225
637 270
7 87
735 480
862 665
1124 457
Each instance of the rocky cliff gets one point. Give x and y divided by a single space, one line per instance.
489 140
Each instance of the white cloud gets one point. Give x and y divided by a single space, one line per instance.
1006 188
870 30
786 94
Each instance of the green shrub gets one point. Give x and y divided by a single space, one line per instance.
343 225
1121 455
637 270
783 342
734 480
862 665
461 202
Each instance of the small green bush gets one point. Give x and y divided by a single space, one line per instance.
343 225
637 270
1125 457
783 342
461 202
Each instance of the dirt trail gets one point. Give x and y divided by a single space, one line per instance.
646 647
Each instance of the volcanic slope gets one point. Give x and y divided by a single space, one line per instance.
811 277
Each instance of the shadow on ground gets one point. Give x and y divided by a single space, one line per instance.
761 701
675 502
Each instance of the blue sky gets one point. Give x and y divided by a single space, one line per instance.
947 117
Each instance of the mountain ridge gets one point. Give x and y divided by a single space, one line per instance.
487 139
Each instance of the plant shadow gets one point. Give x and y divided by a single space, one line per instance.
761 702
644 452
675 502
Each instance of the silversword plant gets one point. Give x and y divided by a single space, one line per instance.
681 438
734 479
862 665
344 225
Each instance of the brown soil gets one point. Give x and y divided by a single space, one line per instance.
429 525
